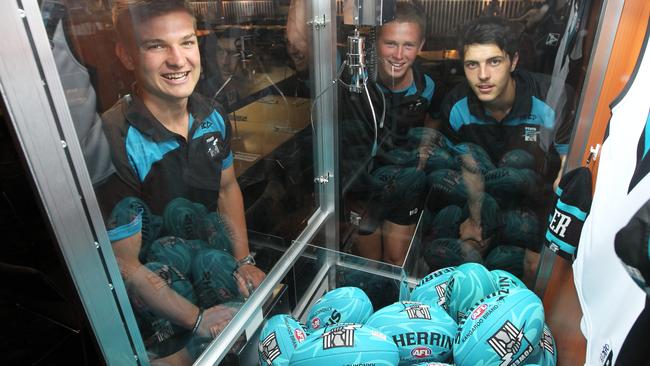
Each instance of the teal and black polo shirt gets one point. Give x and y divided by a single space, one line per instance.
532 124
404 109
157 165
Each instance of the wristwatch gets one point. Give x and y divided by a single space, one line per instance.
246 260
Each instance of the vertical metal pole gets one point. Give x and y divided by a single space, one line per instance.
37 108
324 67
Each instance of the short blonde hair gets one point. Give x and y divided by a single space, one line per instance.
407 12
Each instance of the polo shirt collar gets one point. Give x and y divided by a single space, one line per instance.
521 107
141 118
415 86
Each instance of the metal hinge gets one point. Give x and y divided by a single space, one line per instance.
323 178
593 154
319 21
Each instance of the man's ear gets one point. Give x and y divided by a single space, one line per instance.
125 57
515 60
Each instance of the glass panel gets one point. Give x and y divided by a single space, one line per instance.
317 272
194 122
466 141
382 282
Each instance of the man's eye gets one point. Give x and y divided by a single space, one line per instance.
189 43
471 65
495 62
154 46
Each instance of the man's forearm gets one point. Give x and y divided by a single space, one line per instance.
556 183
148 288
158 297
425 147
231 207
473 181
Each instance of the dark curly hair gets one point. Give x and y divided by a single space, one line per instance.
491 30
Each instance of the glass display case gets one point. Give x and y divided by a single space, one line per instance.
354 132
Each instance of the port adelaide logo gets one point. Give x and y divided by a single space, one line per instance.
339 337
269 348
509 341
418 312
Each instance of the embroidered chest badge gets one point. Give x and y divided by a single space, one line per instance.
216 148
530 134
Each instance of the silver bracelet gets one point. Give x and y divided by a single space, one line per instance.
246 260
198 321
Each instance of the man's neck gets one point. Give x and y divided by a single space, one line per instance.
172 114
500 107
397 84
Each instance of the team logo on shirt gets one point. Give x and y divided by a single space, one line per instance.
606 355
552 39
553 247
216 148
530 134
415 105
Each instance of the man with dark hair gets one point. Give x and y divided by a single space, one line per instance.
168 143
501 108
391 194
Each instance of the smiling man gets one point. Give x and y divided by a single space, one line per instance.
389 202
502 108
400 41
168 143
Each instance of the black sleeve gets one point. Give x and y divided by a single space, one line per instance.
123 182
565 117
110 192
435 111
445 118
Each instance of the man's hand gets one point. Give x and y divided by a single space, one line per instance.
471 233
423 155
470 230
215 320
298 36
248 279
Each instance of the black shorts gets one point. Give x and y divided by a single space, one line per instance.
395 195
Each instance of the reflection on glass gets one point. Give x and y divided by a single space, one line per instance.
197 135
383 177
383 283
490 144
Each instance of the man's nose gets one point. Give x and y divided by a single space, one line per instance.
399 52
483 72
175 57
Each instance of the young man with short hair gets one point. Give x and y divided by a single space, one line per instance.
391 198
169 142
502 108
